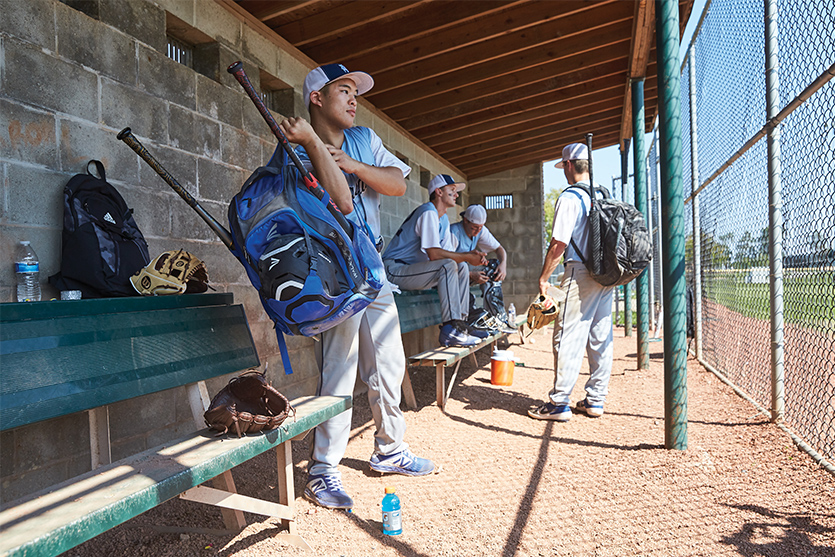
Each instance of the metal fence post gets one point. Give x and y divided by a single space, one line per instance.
642 282
624 180
697 227
672 226
775 212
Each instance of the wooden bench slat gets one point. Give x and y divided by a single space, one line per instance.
84 507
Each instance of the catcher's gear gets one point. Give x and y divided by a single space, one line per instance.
543 311
172 272
250 403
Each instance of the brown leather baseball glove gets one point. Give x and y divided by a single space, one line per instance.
250 403
172 272
543 311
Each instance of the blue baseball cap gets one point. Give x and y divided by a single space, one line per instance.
442 180
319 77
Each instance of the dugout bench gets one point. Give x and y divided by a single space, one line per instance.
421 308
62 357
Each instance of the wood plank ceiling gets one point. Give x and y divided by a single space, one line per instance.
489 85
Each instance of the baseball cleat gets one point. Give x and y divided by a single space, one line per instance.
403 462
326 491
551 411
590 409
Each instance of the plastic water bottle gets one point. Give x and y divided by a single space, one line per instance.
392 525
26 270
511 315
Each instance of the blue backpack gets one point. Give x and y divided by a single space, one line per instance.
313 268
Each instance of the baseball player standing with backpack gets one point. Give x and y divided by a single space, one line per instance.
370 341
585 323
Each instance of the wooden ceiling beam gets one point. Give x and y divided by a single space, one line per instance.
497 75
538 132
545 36
272 10
642 33
438 31
543 115
548 152
342 21
577 131
439 22
524 98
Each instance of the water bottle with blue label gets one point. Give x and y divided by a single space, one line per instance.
392 524
26 270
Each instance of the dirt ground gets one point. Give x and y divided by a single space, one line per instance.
512 486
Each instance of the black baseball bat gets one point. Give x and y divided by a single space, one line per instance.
594 221
237 70
131 141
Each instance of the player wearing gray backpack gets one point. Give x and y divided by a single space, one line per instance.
585 324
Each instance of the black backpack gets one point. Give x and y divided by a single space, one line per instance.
624 249
101 246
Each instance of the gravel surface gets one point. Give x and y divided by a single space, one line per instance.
508 485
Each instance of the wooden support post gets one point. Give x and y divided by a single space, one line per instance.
99 419
408 392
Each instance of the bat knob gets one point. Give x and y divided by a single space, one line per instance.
235 66
123 134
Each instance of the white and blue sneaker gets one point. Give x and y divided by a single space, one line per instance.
592 410
451 336
403 462
551 411
326 490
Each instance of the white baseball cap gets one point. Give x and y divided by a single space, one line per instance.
321 76
573 152
442 180
476 214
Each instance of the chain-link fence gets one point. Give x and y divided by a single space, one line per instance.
766 238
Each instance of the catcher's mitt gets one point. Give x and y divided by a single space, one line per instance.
172 272
249 402
542 312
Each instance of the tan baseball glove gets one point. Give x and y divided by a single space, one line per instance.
172 272
543 311
247 404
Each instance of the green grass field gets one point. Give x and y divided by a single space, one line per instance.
808 295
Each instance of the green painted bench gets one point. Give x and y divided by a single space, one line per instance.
62 357
421 308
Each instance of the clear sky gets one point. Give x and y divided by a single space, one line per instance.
606 162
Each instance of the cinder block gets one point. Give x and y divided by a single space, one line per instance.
261 50
193 133
213 59
162 77
31 481
140 19
39 79
103 48
80 142
135 416
240 149
183 10
219 102
187 224
123 106
40 444
29 21
36 196
220 182
181 165
27 135
218 23
254 123
123 447
7 455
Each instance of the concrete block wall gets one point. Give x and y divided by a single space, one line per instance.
62 102
72 75
518 229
